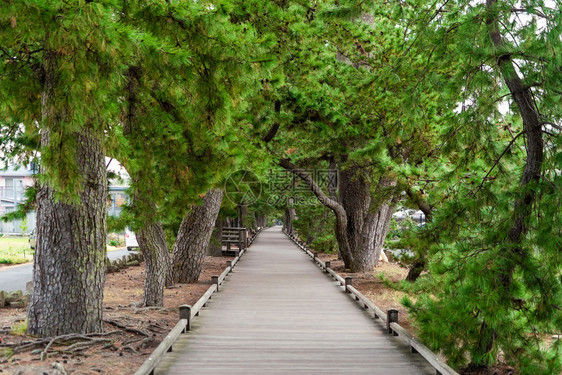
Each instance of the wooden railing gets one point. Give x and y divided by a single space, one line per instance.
187 313
388 318
254 236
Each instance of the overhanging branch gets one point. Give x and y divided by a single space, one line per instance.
313 186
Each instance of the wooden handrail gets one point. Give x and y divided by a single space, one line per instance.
367 303
166 345
151 362
416 346
336 276
440 366
235 260
202 301
224 274
253 238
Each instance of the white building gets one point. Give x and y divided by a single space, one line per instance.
14 180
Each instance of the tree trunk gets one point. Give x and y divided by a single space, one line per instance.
69 263
416 269
368 219
356 239
215 245
193 238
289 216
150 235
242 212
261 221
382 223
361 222
418 266
152 244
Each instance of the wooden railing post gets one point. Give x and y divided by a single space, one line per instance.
229 264
185 313
215 280
348 281
391 317
328 264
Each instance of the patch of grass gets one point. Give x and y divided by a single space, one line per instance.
11 259
15 250
19 328
6 353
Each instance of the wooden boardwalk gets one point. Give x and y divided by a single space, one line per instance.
277 313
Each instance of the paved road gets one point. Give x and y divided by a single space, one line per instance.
277 313
16 277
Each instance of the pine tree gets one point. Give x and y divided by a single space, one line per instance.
182 88
60 64
494 259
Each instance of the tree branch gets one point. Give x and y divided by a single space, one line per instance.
496 162
416 198
275 127
318 192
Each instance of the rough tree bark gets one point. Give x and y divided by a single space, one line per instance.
533 132
355 198
69 263
286 222
367 219
357 216
193 238
152 244
261 220
382 223
150 235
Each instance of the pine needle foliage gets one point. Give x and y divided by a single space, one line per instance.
488 293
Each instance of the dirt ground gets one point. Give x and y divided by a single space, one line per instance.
131 332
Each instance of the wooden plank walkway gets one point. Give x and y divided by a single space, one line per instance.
277 313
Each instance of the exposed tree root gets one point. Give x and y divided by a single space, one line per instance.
128 329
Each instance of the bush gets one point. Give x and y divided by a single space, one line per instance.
326 243
113 243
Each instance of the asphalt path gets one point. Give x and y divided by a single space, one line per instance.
16 277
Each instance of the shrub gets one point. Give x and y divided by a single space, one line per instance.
326 243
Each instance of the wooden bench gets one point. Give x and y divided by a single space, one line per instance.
234 235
